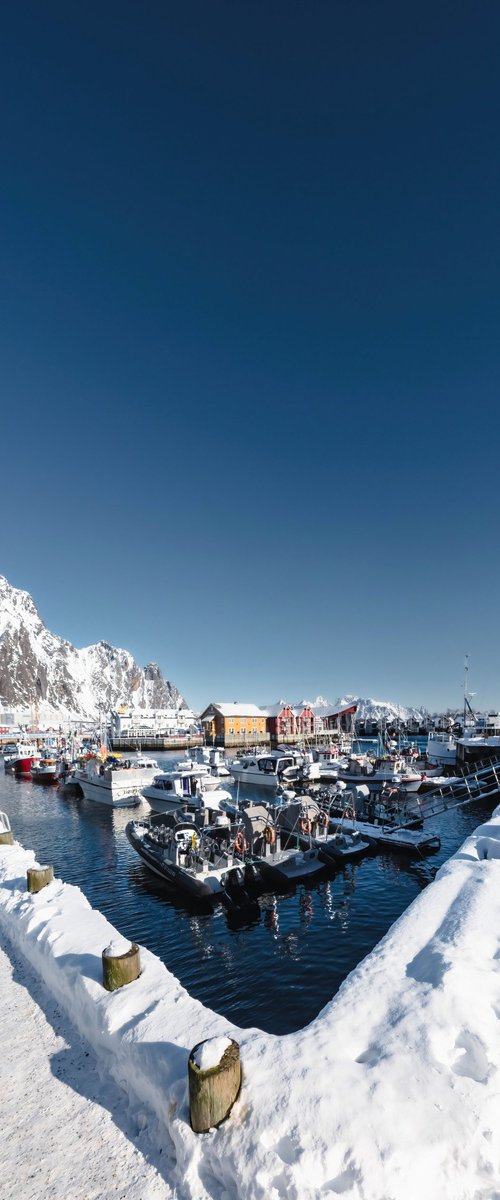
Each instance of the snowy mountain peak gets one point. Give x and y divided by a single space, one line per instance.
38 667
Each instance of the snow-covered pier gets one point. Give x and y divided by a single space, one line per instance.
391 1092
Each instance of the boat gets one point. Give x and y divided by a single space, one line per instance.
381 821
115 781
194 861
21 759
213 758
165 794
441 749
186 780
46 770
274 768
278 865
304 817
378 772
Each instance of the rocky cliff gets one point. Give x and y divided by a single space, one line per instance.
37 666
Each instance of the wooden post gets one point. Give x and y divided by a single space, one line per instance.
39 877
6 837
119 969
213 1090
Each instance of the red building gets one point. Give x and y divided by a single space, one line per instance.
340 718
281 722
305 720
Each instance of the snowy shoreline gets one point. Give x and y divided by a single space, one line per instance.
390 1092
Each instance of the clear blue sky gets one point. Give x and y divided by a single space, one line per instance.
250 355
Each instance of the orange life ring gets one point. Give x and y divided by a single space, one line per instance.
305 825
322 818
240 843
269 835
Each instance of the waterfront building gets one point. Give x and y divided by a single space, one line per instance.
126 722
305 720
281 721
234 724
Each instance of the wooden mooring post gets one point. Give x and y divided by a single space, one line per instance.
120 967
39 877
214 1074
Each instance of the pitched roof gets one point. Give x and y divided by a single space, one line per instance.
237 710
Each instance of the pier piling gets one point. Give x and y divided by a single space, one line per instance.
6 837
39 877
120 969
213 1089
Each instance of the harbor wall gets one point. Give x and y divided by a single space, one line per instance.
389 1033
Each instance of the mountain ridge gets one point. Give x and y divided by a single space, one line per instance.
40 668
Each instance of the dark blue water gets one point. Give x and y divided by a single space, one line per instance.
276 972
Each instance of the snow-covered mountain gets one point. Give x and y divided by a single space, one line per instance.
372 710
38 666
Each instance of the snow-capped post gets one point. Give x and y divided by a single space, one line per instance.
214 1073
6 837
121 964
39 877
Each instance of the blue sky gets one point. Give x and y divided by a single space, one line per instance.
250 357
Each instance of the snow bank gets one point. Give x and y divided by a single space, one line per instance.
392 1092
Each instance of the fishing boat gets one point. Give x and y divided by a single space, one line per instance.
46 770
115 781
21 759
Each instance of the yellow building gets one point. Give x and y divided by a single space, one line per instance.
234 724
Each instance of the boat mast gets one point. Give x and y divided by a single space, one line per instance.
466 676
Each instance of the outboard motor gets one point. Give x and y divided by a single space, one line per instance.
254 882
235 886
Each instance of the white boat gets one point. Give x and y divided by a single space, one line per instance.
376 773
441 749
165 794
213 758
118 782
275 768
186 780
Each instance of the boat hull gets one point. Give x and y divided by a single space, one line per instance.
199 888
116 797
20 766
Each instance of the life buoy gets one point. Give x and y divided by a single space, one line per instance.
305 825
322 818
240 842
269 835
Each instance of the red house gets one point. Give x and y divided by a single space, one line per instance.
281 722
340 718
305 720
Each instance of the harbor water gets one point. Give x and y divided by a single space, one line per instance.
275 971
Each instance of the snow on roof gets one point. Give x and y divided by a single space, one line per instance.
273 710
238 710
